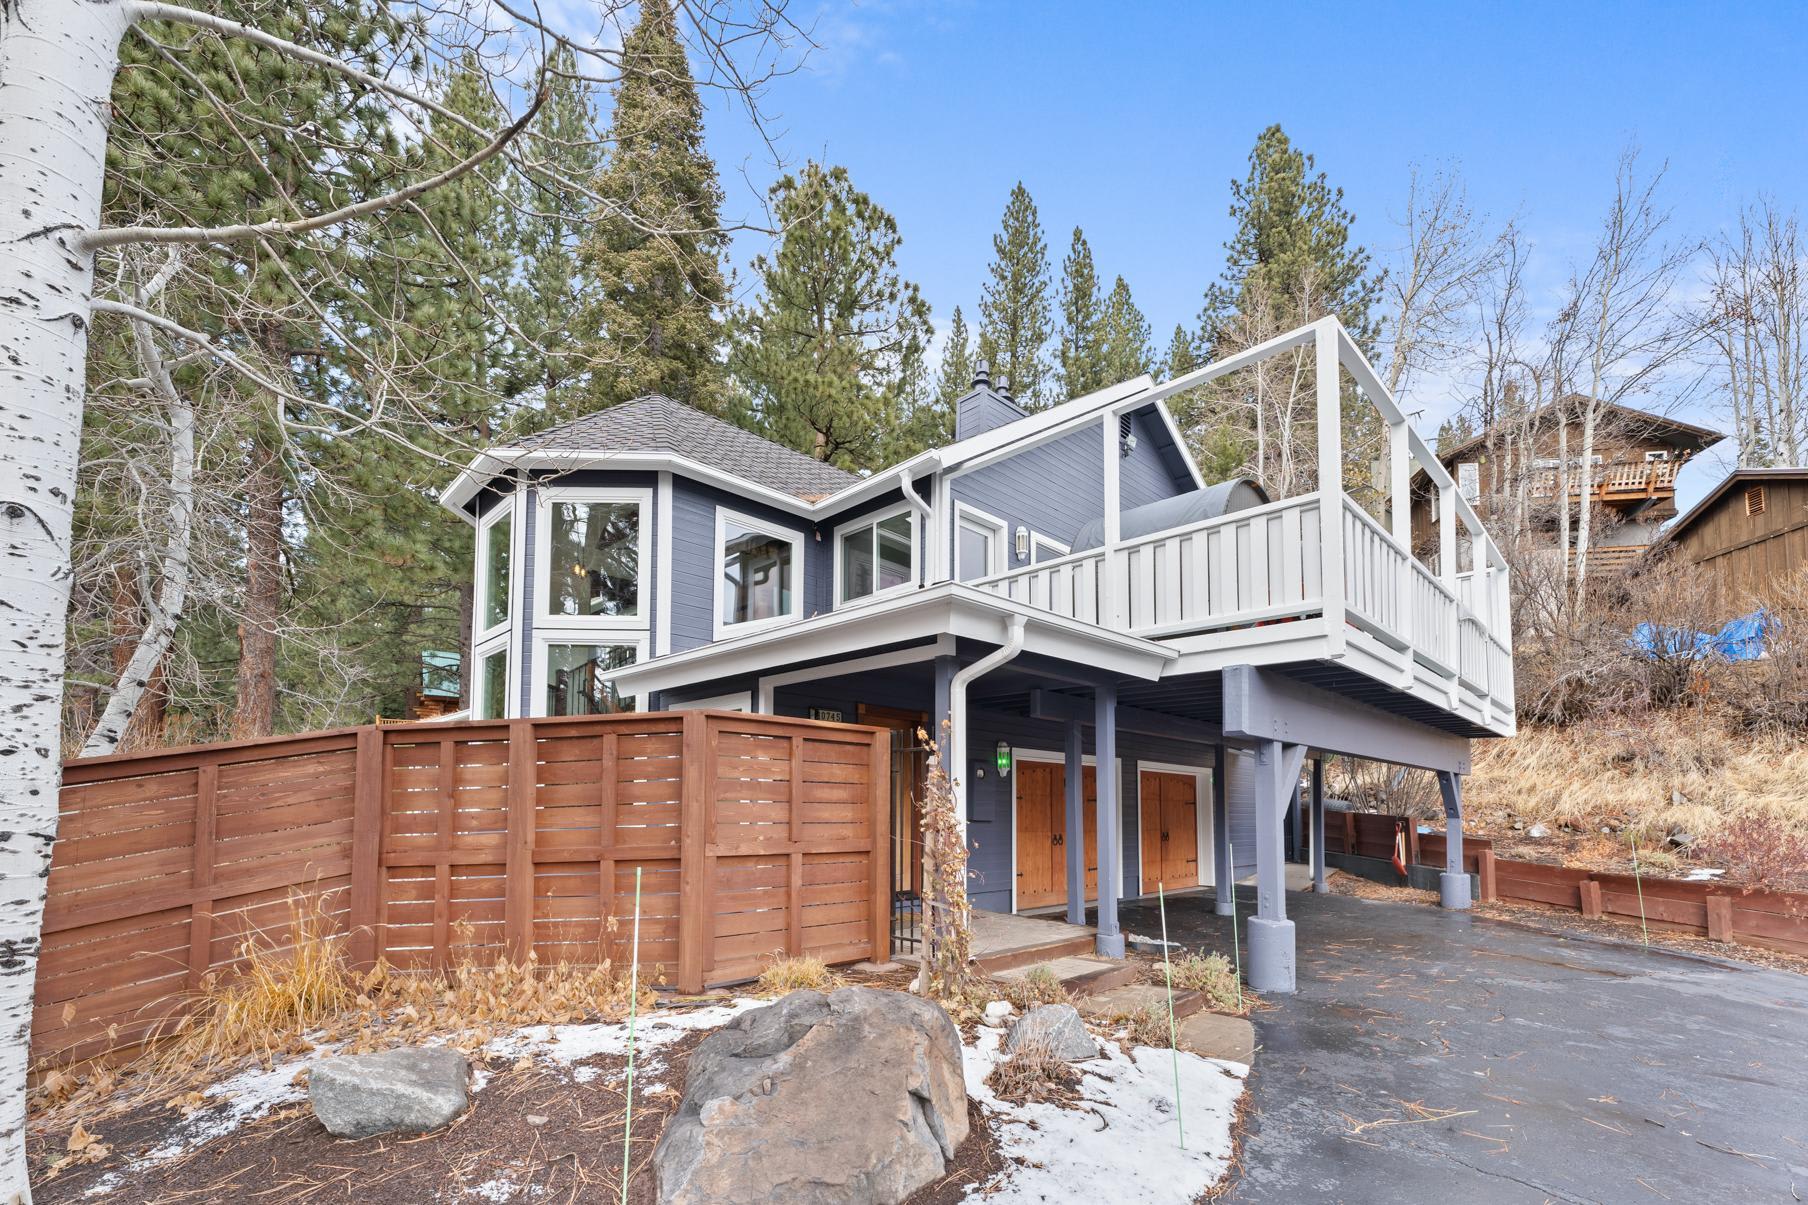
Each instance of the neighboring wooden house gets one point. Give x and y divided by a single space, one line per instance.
1048 594
1750 533
1637 458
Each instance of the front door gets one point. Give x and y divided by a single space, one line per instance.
1170 807
1041 792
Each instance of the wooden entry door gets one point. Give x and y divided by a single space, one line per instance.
1170 806
1042 834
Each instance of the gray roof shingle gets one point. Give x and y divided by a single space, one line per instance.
661 425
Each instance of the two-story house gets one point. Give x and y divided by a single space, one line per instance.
1126 667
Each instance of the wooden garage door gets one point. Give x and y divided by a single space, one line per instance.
1042 834
1170 836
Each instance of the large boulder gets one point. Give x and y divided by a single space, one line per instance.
405 1090
851 1097
1058 1028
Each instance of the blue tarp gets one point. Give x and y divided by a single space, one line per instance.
1741 639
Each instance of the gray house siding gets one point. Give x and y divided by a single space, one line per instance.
1059 487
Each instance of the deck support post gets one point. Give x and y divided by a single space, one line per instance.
1076 826
1271 953
1110 939
1224 875
1453 884
1319 886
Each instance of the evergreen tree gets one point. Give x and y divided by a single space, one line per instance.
656 322
956 376
1183 355
1123 338
831 351
1457 429
1014 321
554 288
1292 246
1081 367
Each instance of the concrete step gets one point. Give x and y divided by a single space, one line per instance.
1024 956
1216 1036
1128 997
1080 974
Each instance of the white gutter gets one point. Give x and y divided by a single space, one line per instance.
956 767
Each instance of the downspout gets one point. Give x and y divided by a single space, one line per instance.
957 707
908 487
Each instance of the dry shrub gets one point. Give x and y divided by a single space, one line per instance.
1211 975
1034 1072
1038 985
796 975
947 973
1758 850
1145 1025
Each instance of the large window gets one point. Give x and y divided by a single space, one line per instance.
760 571
875 555
594 551
978 544
493 561
574 678
491 702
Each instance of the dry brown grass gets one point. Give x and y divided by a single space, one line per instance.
796 975
1038 985
1211 975
1034 1072
1144 1026
1656 774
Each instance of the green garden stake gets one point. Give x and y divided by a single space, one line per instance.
1236 946
1161 896
633 1003
1638 881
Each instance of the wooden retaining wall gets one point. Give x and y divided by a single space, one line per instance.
430 844
1776 920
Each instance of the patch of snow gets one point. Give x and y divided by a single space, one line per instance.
1139 939
102 1186
1119 1143
1702 874
1538 830
234 1101
568 1044
499 1189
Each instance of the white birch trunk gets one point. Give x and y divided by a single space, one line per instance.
57 62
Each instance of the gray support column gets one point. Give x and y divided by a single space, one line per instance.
1318 826
1271 956
1076 826
1453 884
1110 940
939 707
1224 875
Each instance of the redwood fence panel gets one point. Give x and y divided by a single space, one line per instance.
431 844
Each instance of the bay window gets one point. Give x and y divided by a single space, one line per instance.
759 568
595 555
574 676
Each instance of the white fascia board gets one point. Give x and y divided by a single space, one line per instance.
492 463
947 609
1001 443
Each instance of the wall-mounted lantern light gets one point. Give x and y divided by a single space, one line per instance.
1023 543
1004 759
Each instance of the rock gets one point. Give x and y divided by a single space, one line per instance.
876 968
536 1120
1538 830
997 1011
1060 1027
405 1090
854 1096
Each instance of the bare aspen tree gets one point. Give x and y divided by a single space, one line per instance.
1756 322
1432 282
62 273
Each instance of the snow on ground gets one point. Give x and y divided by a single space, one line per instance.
568 1044
1119 1143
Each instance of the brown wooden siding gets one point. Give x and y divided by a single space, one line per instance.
1749 555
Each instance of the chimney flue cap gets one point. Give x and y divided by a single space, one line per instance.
982 375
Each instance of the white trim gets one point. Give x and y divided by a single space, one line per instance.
734 700
1038 541
1060 759
1000 532
643 593
1202 819
504 643
942 646
720 627
873 519
662 586
508 508
544 640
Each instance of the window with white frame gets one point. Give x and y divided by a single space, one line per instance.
494 557
575 677
1044 549
1469 481
1656 454
595 551
979 543
875 555
759 568
489 697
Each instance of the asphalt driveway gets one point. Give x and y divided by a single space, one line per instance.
1543 1067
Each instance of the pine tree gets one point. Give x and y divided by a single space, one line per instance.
956 375
1123 338
1292 245
1183 355
656 323
1014 323
1081 368
554 288
831 351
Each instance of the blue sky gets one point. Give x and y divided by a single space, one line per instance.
1130 120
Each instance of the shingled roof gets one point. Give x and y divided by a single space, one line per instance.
661 425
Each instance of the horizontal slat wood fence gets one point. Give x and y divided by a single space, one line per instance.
1776 920
431 844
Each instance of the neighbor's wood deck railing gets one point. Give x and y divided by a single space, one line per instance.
431 844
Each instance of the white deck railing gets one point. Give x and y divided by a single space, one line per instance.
1443 635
